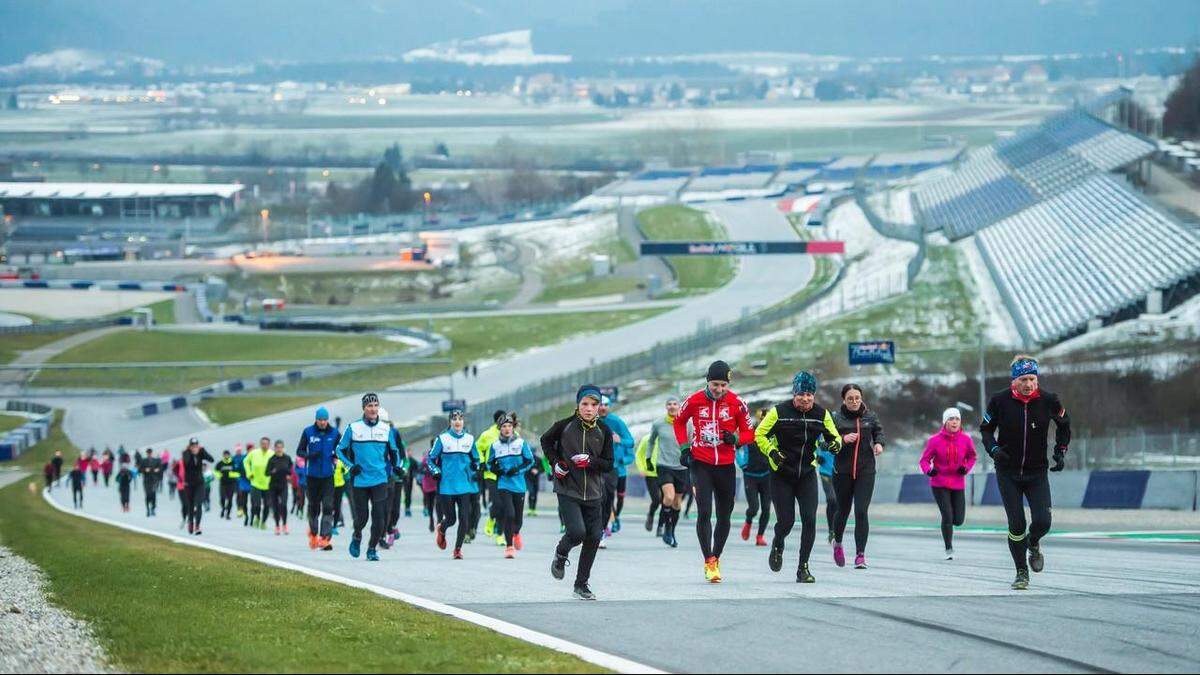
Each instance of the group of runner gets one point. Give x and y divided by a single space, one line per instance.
693 450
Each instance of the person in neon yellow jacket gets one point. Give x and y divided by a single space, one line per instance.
339 492
483 446
260 482
645 459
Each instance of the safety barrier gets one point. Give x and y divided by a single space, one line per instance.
16 441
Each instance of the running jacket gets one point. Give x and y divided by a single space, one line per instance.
573 436
239 465
511 457
795 434
368 445
1022 429
456 463
225 469
256 468
623 451
948 452
663 445
279 469
858 457
646 452
193 466
339 473
483 447
710 417
319 449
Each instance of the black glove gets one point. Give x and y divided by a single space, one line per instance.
650 468
777 457
1060 455
932 471
999 456
685 456
962 470
355 470
729 438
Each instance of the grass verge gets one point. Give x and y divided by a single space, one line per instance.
163 607
681 223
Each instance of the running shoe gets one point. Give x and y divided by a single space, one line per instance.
333 533
425 513
408 513
1037 562
391 538
326 544
830 538
286 530
470 538
532 513
372 555
1021 583
760 541
658 531
649 522
489 527
440 537
510 552
584 593
558 566
191 528
775 559
803 576
355 547
839 555
500 540
518 543
616 525
602 544
860 562
608 532
197 532
746 531
711 573
278 531
384 545
457 554
312 541
949 554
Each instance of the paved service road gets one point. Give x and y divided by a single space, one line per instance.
756 286
1100 605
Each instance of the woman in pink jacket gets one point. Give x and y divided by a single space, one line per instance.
948 458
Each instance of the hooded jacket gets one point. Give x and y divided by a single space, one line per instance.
948 452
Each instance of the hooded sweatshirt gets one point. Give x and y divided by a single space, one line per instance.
947 451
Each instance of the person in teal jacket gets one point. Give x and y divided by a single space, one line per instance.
455 461
368 447
623 456
510 457
825 468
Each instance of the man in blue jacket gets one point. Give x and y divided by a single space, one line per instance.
243 485
623 454
318 446
367 447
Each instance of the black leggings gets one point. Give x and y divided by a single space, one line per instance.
758 500
193 499
1014 491
655 493
339 493
831 503
278 497
510 513
953 506
464 505
227 490
320 505
408 490
395 495
584 524
243 499
532 483
431 508
786 493
151 496
372 500
610 497
710 483
260 504
859 491
77 495
124 492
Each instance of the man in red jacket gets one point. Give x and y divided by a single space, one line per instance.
720 424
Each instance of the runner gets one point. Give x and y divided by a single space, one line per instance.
192 482
339 493
243 484
614 499
949 456
57 461
260 483
854 471
483 446
674 480
756 479
318 446
825 461
645 458
124 482
533 480
454 461
396 472
279 472
1015 432
580 450
429 491
151 469
76 478
299 483
48 474
106 465
365 447
511 457
721 423
788 438
227 477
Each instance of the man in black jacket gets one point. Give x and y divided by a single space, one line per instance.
1015 433
193 483
580 451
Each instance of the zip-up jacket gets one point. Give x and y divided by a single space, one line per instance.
710 418
948 452
572 436
794 434
1022 429
152 470
256 468
339 473
397 461
623 451
645 452
226 471
279 469
193 466
483 447
456 462
858 457
239 465
509 461
319 449
368 445
663 446
124 479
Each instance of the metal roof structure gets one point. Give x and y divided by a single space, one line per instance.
116 190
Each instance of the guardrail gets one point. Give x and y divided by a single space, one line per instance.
16 441
64 326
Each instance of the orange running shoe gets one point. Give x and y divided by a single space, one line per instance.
517 542
510 552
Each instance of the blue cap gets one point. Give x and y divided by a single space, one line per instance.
1024 367
588 390
804 383
322 413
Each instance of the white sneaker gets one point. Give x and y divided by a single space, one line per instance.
949 554
603 544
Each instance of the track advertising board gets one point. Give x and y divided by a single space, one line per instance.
872 353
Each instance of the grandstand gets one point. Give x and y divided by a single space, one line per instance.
1094 251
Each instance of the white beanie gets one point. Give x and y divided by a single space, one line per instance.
949 414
